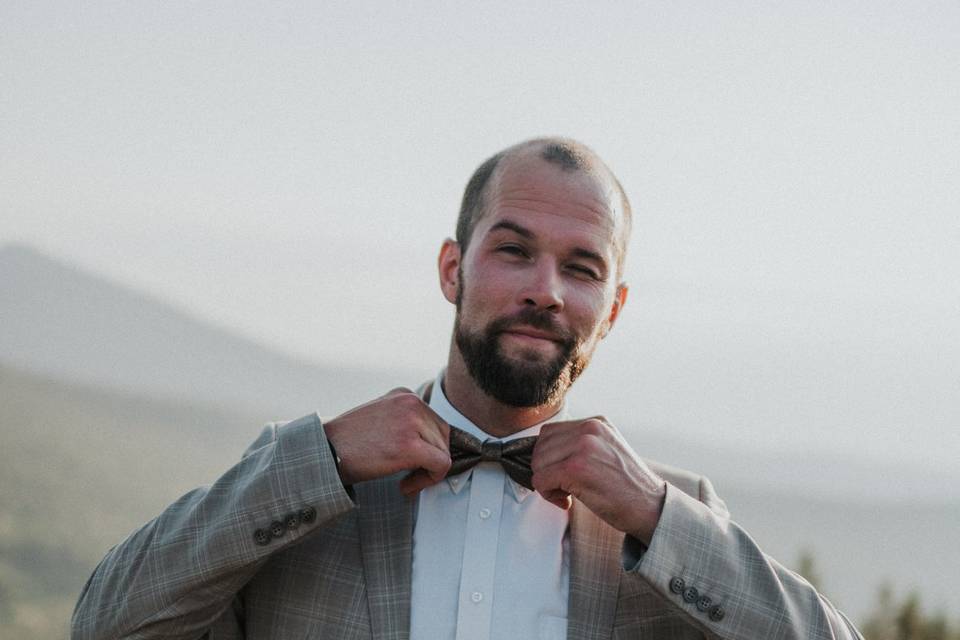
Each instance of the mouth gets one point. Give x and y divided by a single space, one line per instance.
532 336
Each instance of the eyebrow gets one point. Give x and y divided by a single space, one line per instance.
512 226
520 230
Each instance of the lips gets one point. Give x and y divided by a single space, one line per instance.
533 333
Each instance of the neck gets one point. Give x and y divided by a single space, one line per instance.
494 417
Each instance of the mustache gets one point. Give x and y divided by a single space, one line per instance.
538 319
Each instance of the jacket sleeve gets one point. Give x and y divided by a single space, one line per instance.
178 574
712 570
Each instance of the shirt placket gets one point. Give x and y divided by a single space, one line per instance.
475 605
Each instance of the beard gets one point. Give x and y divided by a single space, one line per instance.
530 380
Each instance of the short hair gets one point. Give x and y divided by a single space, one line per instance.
567 154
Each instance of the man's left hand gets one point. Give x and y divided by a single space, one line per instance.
590 460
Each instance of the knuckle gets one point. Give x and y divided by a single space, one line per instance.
593 426
549 427
406 414
587 442
409 400
538 447
410 442
397 390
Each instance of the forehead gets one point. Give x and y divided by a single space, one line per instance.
532 191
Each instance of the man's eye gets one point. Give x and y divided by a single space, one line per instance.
512 248
585 271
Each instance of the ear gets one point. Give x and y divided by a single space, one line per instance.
448 264
619 299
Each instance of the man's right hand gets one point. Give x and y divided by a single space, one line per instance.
394 432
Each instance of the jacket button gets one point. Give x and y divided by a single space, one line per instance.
690 594
717 613
677 585
291 521
261 537
277 529
703 604
308 515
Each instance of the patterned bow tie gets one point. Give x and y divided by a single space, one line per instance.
514 455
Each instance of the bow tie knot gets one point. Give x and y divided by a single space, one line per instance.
492 451
514 455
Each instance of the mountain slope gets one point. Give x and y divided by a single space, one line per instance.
75 325
79 469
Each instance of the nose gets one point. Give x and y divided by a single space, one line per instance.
544 289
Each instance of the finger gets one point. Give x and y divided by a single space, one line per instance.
556 432
439 424
559 498
553 483
436 432
442 427
416 482
554 429
436 462
397 390
588 437
551 451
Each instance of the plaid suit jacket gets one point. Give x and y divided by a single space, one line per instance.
336 566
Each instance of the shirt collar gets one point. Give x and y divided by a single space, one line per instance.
442 407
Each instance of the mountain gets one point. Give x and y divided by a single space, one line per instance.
74 325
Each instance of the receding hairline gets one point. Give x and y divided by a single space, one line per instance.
567 154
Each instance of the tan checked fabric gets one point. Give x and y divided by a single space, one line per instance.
277 549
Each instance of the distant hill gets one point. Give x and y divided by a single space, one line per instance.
79 469
75 325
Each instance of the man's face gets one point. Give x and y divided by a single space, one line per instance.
537 289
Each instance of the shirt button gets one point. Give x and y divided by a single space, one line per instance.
476 596
484 514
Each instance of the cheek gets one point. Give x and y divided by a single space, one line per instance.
593 318
479 297
485 285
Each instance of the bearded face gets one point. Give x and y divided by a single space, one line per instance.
530 378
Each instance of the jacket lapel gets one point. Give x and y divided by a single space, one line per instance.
594 575
385 518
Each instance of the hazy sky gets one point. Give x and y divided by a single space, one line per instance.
290 172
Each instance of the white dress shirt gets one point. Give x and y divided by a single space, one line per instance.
490 557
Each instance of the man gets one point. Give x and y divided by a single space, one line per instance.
414 515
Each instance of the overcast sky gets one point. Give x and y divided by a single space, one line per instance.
289 171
